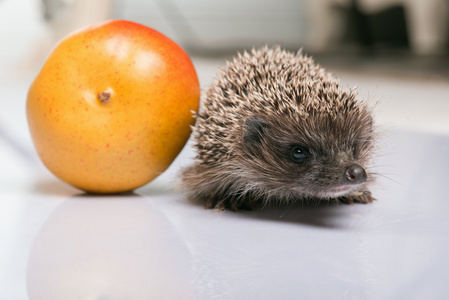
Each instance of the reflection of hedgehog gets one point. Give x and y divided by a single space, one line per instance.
274 126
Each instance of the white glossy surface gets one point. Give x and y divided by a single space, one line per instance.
57 243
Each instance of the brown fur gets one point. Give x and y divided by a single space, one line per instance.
261 105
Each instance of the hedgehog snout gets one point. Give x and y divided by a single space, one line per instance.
354 174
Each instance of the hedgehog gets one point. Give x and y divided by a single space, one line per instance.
275 127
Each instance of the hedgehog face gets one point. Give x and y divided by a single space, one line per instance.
321 157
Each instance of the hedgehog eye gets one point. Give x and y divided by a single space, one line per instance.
298 154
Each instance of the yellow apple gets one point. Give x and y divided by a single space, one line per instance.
111 108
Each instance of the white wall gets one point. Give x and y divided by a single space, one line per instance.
219 24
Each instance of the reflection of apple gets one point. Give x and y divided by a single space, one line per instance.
108 248
111 107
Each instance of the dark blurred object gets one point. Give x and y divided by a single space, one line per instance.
384 29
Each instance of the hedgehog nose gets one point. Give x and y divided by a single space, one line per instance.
355 174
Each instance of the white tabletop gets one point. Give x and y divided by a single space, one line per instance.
58 243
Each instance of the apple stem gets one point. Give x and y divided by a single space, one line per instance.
104 97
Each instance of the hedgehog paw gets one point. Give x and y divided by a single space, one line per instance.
357 197
226 204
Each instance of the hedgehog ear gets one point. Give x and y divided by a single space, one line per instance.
253 131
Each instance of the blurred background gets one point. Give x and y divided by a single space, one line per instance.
339 28
211 27
216 27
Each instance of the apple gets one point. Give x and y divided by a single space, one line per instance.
112 106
